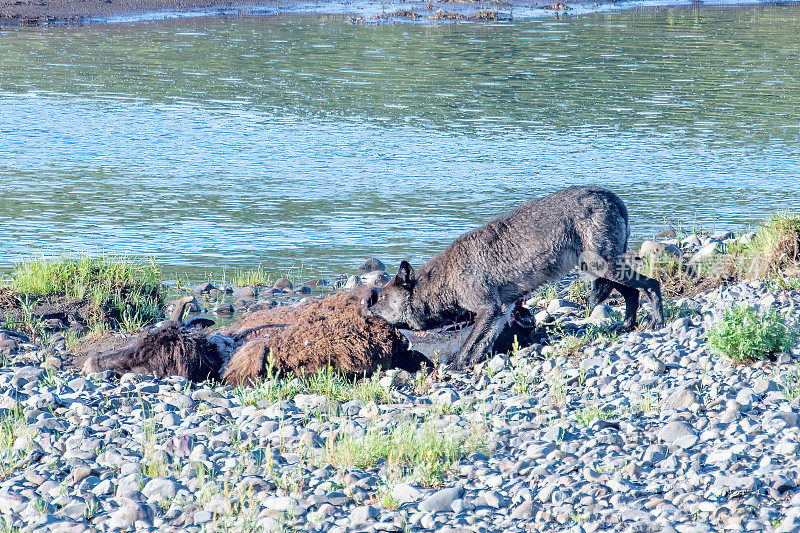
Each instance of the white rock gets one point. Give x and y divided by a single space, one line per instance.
352 282
654 365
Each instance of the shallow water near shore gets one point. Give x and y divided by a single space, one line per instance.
307 140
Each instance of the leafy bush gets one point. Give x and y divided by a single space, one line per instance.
745 336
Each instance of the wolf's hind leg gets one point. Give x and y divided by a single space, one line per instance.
621 275
600 290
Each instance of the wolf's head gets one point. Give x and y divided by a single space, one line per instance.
394 301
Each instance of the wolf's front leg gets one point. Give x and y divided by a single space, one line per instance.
488 324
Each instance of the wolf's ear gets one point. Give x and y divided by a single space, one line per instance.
405 275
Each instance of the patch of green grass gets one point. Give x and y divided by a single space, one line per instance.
6 527
335 386
41 506
557 388
578 292
424 450
78 277
152 466
578 518
129 292
442 409
744 336
329 383
775 249
547 292
791 384
651 403
571 345
257 277
673 311
589 414
28 323
72 338
385 497
521 386
610 467
785 284
13 424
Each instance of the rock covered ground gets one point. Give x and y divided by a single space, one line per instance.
42 12
646 431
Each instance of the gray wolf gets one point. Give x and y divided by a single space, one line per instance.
488 269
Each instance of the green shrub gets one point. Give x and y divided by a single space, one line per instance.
745 336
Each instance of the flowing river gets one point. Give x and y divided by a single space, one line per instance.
221 143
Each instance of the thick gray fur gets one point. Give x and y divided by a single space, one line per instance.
486 270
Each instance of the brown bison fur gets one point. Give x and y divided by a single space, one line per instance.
166 350
336 331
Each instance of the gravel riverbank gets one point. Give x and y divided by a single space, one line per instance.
42 12
645 432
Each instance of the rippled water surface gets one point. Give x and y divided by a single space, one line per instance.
214 143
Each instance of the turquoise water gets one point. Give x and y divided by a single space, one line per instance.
228 143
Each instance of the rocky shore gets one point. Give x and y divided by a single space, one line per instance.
648 431
46 12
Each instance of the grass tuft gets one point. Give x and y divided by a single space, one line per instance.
791 384
589 414
745 336
256 277
13 424
125 293
329 383
578 292
424 450
775 249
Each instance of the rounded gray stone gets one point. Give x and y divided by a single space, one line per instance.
441 500
679 434
283 283
371 265
403 493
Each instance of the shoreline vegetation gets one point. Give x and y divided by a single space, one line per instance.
690 428
49 12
